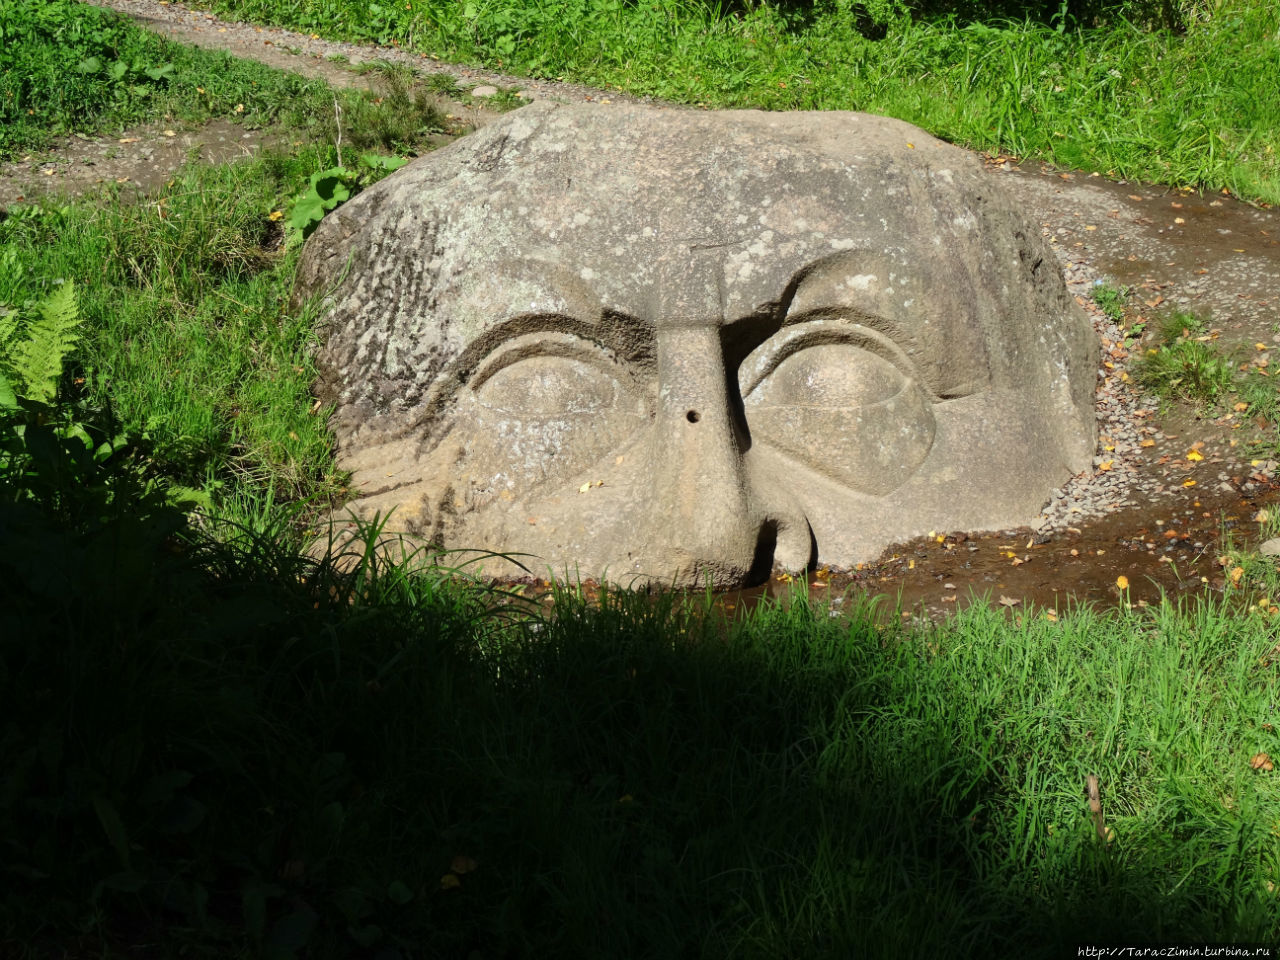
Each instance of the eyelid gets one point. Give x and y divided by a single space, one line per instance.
542 344
820 331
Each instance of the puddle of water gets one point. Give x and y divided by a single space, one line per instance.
1171 549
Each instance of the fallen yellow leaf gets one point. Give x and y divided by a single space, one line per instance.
462 864
1188 483
585 487
1194 455
1105 465
1261 761
1147 443
1236 574
450 881
1122 582
276 215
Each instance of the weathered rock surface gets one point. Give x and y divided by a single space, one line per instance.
675 345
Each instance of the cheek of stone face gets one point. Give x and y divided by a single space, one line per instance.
846 413
543 421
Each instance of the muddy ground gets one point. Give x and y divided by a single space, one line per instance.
1135 516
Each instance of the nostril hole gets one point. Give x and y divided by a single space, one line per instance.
693 416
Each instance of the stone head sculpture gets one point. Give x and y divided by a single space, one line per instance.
678 345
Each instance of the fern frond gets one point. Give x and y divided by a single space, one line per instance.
37 360
8 332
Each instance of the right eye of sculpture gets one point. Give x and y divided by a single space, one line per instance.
839 406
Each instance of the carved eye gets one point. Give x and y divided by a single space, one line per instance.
542 417
838 375
838 405
548 388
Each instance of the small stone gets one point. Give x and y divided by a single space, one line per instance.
484 91
1270 548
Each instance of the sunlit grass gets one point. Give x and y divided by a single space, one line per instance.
1197 109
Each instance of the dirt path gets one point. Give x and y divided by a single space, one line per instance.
1135 515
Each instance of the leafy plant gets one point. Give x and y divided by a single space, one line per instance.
1110 300
31 365
333 187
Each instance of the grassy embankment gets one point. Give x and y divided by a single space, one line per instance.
1199 107
219 745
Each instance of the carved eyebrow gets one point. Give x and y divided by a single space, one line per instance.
519 347
850 285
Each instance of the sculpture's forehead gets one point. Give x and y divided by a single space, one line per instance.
712 222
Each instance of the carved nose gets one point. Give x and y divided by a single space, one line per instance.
704 521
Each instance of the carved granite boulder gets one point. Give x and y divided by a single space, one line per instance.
672 345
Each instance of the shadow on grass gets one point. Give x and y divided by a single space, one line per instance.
873 17
224 747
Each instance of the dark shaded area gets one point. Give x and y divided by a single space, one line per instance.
1167 14
225 749
873 18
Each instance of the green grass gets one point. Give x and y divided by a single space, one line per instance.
1196 108
220 745
1180 362
70 68
1110 300
185 332
223 746
1183 365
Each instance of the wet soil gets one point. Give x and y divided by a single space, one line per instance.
1149 511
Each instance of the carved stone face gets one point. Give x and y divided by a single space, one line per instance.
678 345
